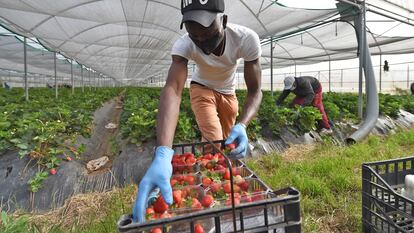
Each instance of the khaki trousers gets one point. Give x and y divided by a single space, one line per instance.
215 112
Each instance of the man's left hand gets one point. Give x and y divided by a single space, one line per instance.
238 134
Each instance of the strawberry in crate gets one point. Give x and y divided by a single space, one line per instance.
187 199
158 210
184 163
212 162
208 177
184 180
229 148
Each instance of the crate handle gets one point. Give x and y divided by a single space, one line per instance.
229 166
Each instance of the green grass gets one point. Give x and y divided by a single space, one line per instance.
329 179
328 176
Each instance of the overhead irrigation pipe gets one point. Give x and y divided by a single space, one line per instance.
391 17
372 106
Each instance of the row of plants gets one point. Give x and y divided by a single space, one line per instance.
45 128
138 119
139 116
42 127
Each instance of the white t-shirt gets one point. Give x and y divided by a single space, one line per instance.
217 72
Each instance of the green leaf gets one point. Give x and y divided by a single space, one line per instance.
5 124
22 146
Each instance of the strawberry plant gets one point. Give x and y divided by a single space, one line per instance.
39 128
35 183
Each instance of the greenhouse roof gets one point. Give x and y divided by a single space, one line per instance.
131 40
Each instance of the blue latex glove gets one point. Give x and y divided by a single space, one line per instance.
238 134
157 175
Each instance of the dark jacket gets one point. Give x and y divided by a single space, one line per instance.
306 86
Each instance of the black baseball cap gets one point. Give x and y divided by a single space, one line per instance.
201 11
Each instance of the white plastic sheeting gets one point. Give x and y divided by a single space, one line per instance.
333 41
132 39
40 64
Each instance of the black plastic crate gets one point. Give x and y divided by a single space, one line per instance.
279 212
384 209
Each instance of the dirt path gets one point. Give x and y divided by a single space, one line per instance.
104 142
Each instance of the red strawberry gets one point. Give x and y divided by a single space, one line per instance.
188 155
196 204
186 192
236 188
208 156
238 179
235 171
198 228
180 178
257 195
149 210
244 186
177 196
236 201
53 171
190 161
160 206
226 175
215 187
227 187
189 179
165 215
207 201
231 146
219 167
246 198
156 230
149 213
210 165
206 181
173 182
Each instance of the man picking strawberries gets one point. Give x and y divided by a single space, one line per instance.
216 47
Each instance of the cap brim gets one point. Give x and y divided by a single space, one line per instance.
203 17
288 87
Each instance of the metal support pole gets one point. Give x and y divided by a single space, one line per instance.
71 77
295 68
56 85
342 78
408 76
361 60
82 84
26 87
380 74
329 75
271 65
89 79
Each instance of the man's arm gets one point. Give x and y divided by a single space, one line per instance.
253 79
169 107
282 97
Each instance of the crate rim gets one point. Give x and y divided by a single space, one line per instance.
289 199
388 161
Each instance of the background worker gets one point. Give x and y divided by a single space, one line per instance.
308 91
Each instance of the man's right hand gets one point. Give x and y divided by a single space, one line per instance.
157 175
